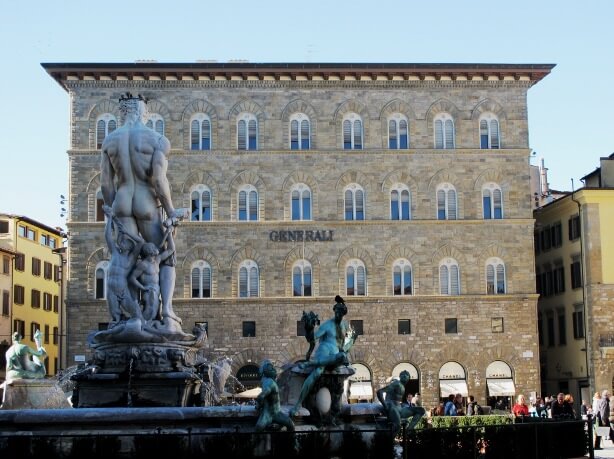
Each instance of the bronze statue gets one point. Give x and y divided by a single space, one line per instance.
310 320
396 409
19 364
267 402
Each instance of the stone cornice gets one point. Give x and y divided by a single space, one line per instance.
285 74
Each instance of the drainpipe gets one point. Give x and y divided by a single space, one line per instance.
583 273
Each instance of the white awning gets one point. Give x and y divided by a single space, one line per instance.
501 387
453 386
361 390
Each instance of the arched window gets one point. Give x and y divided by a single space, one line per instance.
495 276
247 132
200 198
400 202
155 122
200 132
100 280
354 197
301 278
446 202
402 277
360 384
444 131
249 279
398 132
489 131
492 201
99 203
300 132
300 196
355 278
105 124
449 277
201 279
352 132
248 203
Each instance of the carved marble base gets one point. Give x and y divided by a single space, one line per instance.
168 389
33 394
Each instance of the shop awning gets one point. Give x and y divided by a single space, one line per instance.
361 390
501 387
453 386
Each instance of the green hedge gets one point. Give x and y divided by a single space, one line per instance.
469 421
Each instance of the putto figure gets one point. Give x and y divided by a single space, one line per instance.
267 402
134 162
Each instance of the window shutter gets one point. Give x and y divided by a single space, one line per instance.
443 280
396 280
196 283
253 281
195 198
454 280
111 126
438 134
242 133
392 134
296 209
242 205
451 205
449 134
498 205
243 282
494 134
483 134
500 278
305 137
357 135
149 124
490 279
160 127
306 205
297 281
486 204
294 135
206 206
206 135
253 205
195 135
349 280
349 205
407 280
360 203
206 282
253 145
441 205
394 205
347 135
405 207
361 281
307 281
100 133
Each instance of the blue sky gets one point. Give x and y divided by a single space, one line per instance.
571 111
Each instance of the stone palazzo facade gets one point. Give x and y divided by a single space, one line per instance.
404 188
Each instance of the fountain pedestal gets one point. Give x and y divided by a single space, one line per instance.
325 398
22 394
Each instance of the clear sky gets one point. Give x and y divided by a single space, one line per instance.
571 111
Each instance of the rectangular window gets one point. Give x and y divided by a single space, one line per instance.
21 231
36 298
451 326
574 227
6 302
576 274
4 226
300 328
56 303
404 327
556 235
46 335
36 266
20 262
47 301
19 326
19 294
577 318
56 273
6 265
562 327
550 325
56 335
33 327
559 279
249 329
357 326
47 270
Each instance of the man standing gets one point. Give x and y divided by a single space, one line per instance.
603 415
134 183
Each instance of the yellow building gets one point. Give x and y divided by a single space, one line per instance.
575 278
6 285
33 296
